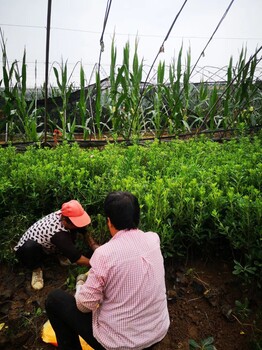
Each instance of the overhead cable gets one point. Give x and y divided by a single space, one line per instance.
228 86
102 45
161 49
202 54
127 34
203 51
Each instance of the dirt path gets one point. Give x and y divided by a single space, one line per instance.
201 301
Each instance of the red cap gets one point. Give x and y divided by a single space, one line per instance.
75 212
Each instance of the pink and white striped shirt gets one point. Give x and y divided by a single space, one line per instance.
126 292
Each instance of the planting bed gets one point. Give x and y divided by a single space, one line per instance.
201 304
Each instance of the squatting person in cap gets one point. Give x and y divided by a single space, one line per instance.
54 233
122 304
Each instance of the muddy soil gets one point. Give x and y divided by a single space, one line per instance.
201 300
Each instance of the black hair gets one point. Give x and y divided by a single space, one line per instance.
123 210
66 218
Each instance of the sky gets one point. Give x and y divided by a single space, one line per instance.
76 28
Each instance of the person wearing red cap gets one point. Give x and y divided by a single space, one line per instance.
122 303
54 233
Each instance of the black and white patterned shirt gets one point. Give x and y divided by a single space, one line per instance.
52 235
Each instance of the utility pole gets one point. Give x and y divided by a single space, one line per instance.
47 66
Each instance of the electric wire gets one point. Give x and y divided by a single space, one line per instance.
102 45
203 51
227 88
125 34
202 54
161 49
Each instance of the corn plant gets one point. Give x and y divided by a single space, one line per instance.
174 97
213 107
124 110
137 123
227 105
181 97
29 117
22 116
171 96
112 95
82 105
159 111
7 82
186 83
124 96
200 97
98 104
239 94
65 88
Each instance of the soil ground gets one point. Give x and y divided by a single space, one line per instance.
201 302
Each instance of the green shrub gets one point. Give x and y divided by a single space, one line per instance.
192 193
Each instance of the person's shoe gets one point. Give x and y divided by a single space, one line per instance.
37 281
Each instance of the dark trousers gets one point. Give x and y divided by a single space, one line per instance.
31 254
68 322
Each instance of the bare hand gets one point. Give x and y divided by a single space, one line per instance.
91 242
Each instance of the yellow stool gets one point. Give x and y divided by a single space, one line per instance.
48 336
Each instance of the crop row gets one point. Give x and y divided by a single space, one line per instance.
125 106
198 195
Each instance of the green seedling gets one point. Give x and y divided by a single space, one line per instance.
206 344
242 308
